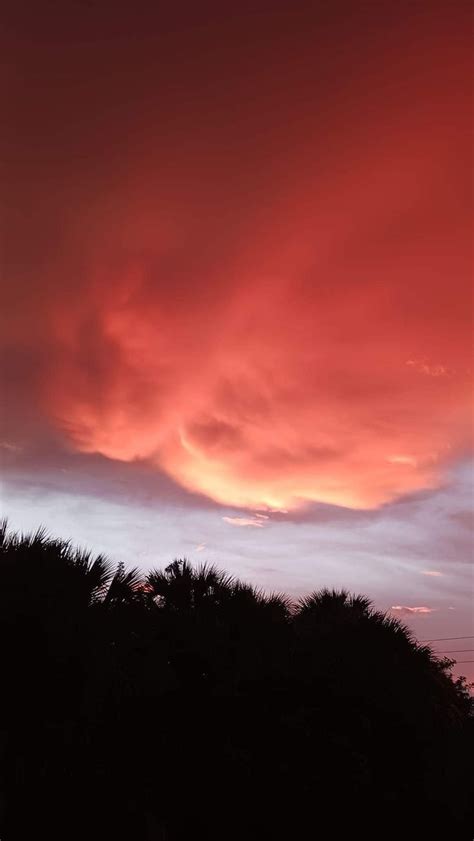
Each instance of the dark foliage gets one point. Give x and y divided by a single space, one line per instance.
189 705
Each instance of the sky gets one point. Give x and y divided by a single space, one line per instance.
236 299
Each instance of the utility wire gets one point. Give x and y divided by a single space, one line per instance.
445 639
455 650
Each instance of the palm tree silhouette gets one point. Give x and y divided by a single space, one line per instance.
186 703
181 587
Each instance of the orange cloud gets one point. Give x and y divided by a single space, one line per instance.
269 303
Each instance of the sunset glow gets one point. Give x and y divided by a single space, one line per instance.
323 356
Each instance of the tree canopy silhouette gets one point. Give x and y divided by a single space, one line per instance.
187 704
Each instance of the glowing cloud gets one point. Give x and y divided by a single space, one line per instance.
267 300
254 522
409 611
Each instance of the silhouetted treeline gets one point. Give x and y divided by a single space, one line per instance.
188 705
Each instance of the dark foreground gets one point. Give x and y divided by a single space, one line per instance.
189 706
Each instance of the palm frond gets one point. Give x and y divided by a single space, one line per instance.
125 586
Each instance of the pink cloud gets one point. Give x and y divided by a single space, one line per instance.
409 611
254 522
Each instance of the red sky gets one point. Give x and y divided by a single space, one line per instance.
237 245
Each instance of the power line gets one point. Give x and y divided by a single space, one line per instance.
445 639
455 650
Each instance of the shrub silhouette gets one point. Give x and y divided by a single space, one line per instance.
186 704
